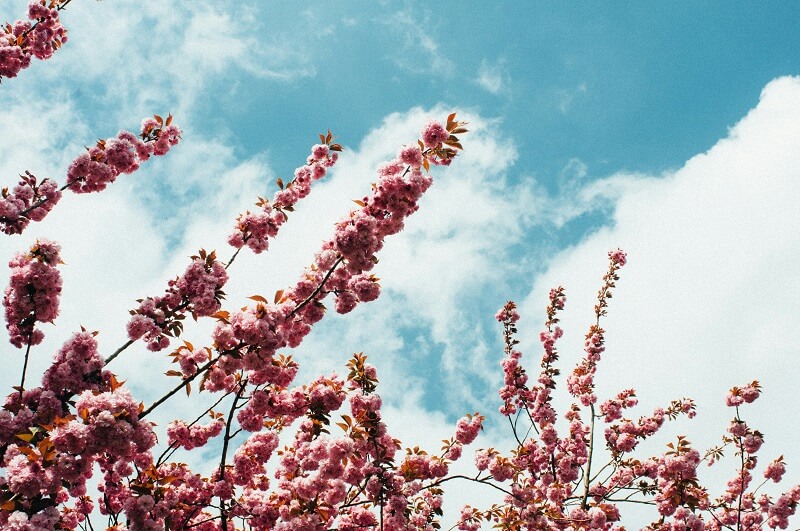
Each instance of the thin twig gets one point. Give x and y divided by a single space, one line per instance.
183 384
483 481
118 351
233 258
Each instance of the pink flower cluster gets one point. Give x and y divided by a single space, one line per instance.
676 475
741 395
28 201
581 382
76 367
107 423
467 428
188 436
256 229
103 163
624 436
197 292
190 359
22 40
508 313
52 436
515 392
33 292
434 134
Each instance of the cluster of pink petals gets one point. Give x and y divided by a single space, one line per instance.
741 395
52 437
508 313
33 292
104 162
76 367
107 423
618 257
434 134
581 382
775 470
778 513
250 458
190 359
193 436
676 475
197 292
28 201
626 435
256 229
467 428
613 407
21 41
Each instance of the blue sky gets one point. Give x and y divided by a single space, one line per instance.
669 129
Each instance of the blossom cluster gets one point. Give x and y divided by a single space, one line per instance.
197 292
254 230
22 40
33 292
30 200
53 435
104 162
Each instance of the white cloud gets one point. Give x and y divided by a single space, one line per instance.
139 58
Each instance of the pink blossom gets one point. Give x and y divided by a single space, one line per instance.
434 134
33 292
618 257
467 428
254 230
411 155
197 292
29 201
77 367
775 470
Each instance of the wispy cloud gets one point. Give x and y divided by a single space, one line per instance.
565 98
494 77
419 53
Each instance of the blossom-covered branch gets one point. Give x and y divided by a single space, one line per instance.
32 200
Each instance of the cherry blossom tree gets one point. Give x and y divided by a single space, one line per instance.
79 451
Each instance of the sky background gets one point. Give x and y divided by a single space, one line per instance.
669 130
